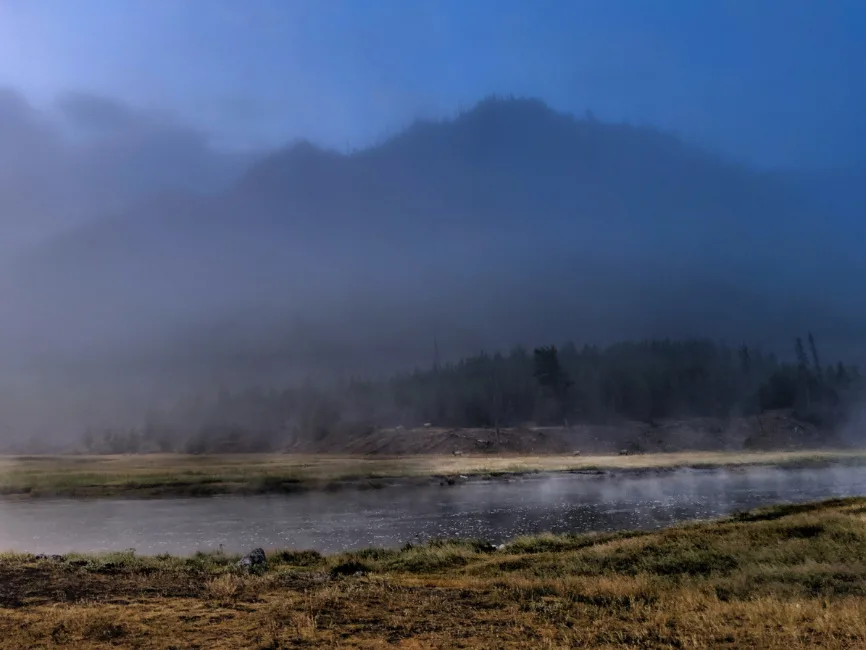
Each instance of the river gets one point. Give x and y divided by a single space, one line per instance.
330 522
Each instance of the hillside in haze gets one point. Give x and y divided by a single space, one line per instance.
86 155
510 223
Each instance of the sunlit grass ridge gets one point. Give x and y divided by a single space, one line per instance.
191 475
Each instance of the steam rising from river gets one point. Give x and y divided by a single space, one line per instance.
329 522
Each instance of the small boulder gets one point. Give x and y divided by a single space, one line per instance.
255 561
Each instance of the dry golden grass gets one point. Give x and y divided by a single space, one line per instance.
786 577
189 475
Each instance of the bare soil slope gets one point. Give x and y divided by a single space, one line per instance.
773 430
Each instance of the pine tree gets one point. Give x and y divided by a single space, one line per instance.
819 373
551 376
745 359
803 372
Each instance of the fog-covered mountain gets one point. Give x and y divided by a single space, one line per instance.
511 223
85 155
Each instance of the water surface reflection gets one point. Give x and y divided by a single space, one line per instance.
392 516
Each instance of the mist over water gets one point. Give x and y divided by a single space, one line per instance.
350 183
493 511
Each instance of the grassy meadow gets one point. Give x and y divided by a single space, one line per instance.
783 577
153 475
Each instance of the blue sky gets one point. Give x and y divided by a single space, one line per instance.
773 82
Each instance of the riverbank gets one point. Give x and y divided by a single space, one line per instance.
784 577
173 475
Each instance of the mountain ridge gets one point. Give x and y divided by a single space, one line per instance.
483 214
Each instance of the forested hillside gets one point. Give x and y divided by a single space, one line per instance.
646 382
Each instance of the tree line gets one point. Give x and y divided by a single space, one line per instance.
646 381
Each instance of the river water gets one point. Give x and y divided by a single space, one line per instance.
330 522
